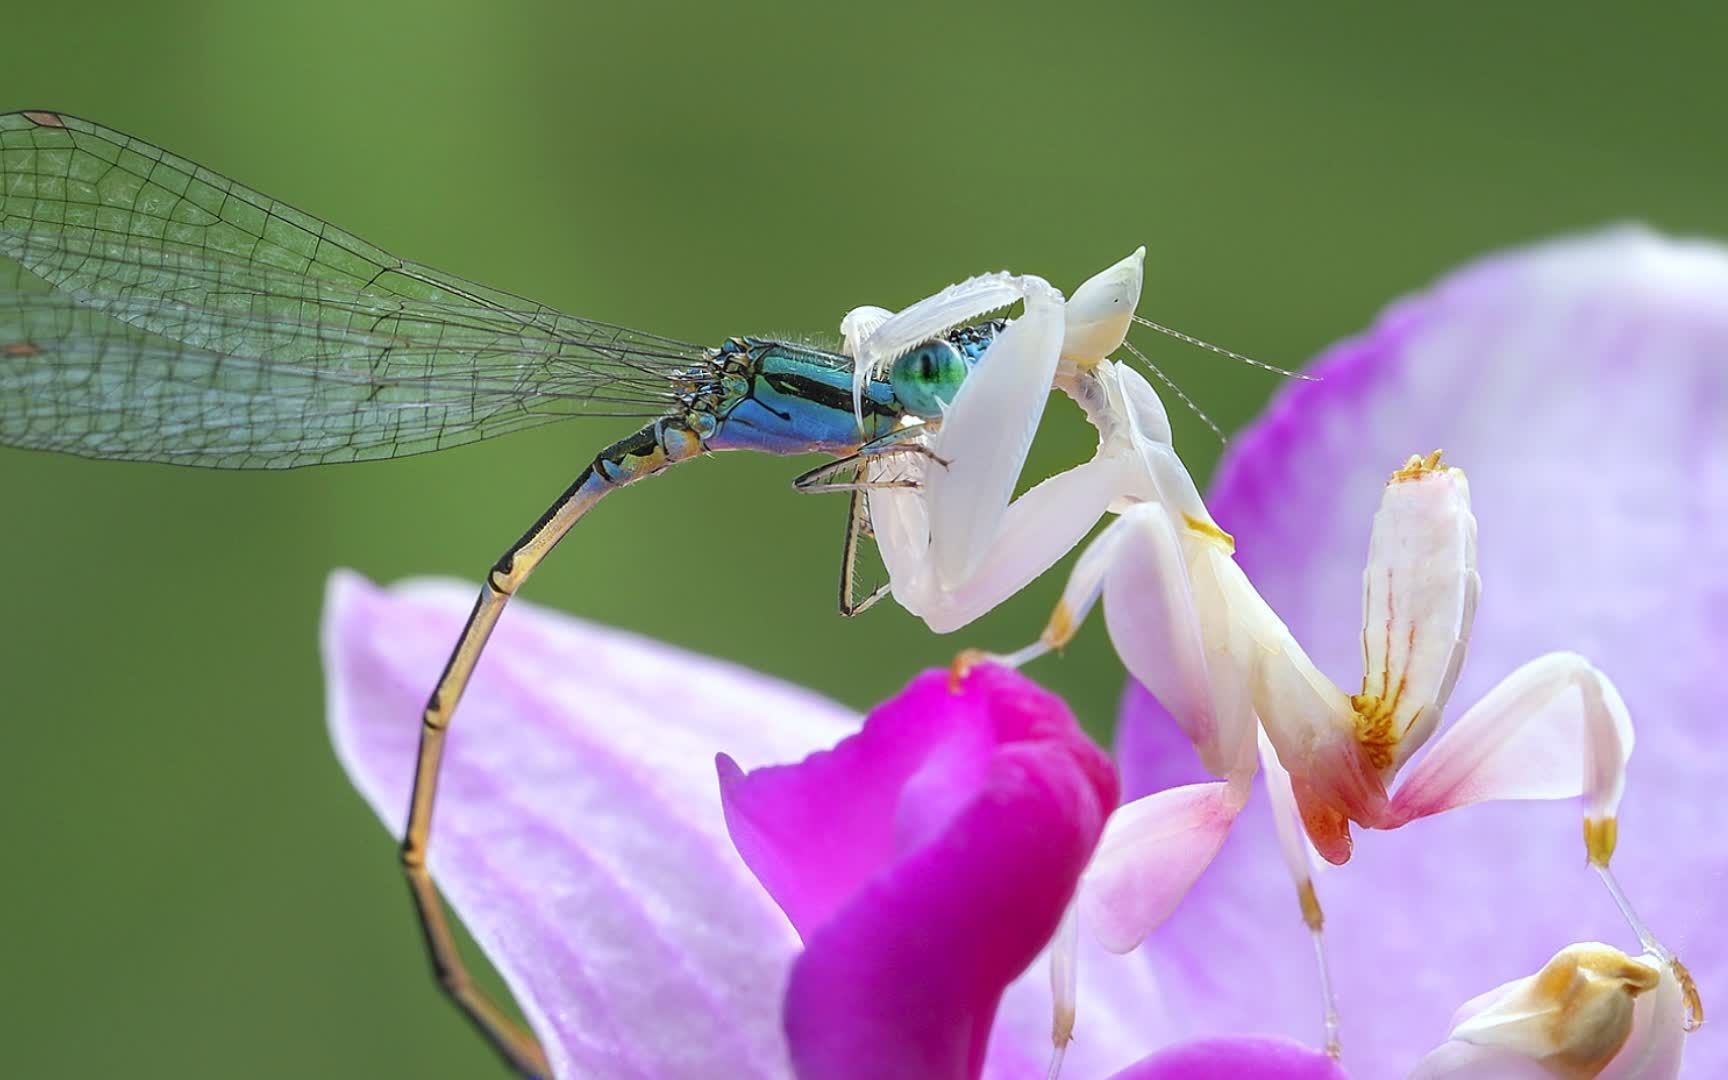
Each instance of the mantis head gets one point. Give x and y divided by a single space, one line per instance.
1101 311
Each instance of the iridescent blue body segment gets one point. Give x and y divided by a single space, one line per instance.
781 398
973 340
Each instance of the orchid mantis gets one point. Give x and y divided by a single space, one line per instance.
953 541
1188 623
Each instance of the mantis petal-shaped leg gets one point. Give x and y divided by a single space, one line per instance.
1139 566
1152 851
1554 729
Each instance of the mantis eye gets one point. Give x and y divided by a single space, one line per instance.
927 378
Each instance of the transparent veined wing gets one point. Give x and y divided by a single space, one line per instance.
188 319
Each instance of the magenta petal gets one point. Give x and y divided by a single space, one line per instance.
579 834
1583 386
926 861
816 833
1240 1059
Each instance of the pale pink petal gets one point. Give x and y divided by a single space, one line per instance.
1155 627
579 833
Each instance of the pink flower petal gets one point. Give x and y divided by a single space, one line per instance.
579 833
1240 1058
1583 386
926 861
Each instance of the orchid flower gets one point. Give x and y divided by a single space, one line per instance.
881 898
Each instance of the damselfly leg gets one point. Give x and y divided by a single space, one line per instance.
857 530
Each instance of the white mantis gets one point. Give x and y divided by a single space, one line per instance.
1187 622
957 546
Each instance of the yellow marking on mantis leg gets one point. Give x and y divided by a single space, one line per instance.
1416 468
1312 916
964 661
1689 993
1375 731
1211 532
1600 837
1061 628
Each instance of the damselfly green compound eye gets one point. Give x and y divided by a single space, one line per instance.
927 378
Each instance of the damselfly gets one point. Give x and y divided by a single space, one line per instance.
158 311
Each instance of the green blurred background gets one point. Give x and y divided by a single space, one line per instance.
191 889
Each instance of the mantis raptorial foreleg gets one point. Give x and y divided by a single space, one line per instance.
961 544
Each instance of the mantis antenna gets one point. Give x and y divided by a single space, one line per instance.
1181 394
1221 351
1189 339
